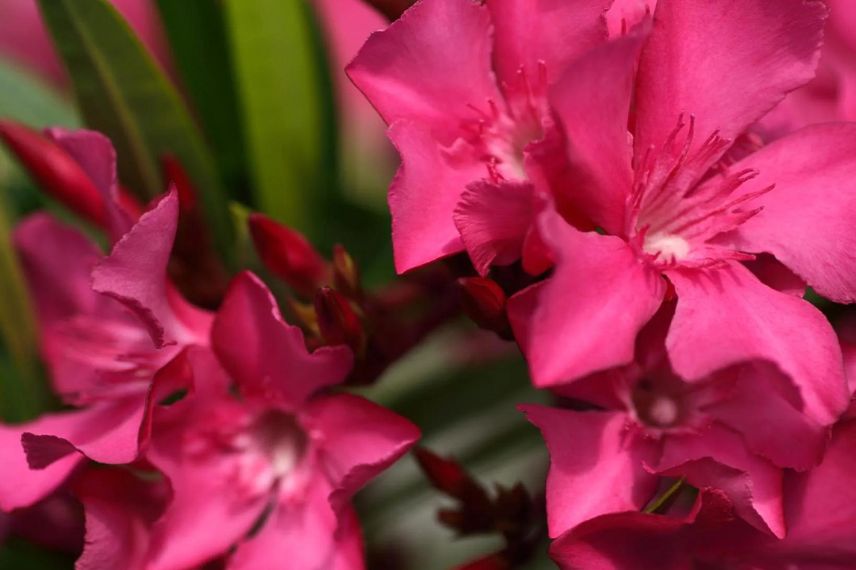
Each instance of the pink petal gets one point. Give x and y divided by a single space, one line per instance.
348 554
530 34
423 197
96 155
120 509
431 66
21 486
599 175
493 220
813 237
727 316
586 317
623 15
725 63
106 432
764 410
304 528
266 356
596 465
135 272
717 458
359 440
772 273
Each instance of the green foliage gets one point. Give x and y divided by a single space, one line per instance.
123 93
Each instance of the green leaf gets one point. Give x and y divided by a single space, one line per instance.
288 109
197 37
26 99
23 393
123 93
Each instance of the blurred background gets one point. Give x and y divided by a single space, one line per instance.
251 98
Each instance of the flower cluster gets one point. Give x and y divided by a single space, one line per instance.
622 157
651 198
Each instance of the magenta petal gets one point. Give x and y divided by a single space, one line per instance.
812 236
359 440
584 318
21 486
431 66
493 219
348 553
423 197
598 145
550 33
727 316
596 465
106 432
763 411
717 458
266 356
135 272
725 63
96 155
305 529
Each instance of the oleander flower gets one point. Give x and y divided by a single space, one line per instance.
733 431
819 512
107 324
678 216
464 87
268 468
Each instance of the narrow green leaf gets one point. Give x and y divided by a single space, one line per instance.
23 393
122 93
197 37
26 99
288 110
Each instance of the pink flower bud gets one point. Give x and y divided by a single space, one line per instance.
288 254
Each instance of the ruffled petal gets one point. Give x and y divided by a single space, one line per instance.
266 356
586 316
807 219
596 465
359 440
727 316
725 63
432 66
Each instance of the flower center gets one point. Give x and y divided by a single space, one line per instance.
656 405
680 203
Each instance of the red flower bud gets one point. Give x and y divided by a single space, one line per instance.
58 174
175 174
484 302
288 255
337 321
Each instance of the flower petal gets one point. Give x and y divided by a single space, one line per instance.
360 439
493 220
592 101
807 220
596 465
726 63
529 34
727 316
586 316
432 66
267 357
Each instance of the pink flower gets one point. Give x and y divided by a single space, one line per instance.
733 431
819 512
678 214
463 87
282 454
107 325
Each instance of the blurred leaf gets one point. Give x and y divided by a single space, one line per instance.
197 36
26 99
23 393
288 108
123 93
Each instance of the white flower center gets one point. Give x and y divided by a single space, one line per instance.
668 247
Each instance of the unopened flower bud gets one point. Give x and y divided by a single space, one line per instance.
57 173
337 320
288 255
484 302
175 174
